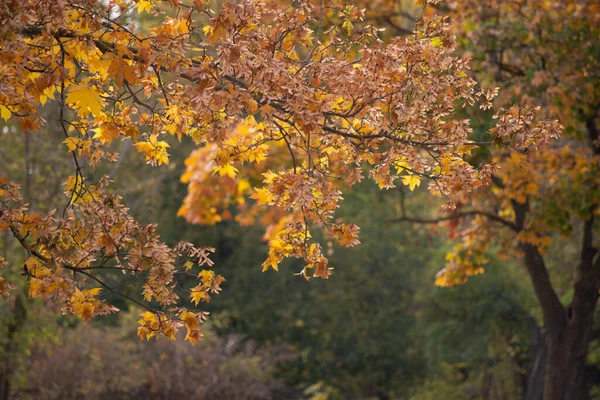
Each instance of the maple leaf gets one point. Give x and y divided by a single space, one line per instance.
144 5
73 143
226 170
272 262
411 181
106 133
154 150
198 294
122 71
86 99
262 196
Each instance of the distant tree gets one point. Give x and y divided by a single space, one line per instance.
545 53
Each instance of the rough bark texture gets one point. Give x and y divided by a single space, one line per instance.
568 349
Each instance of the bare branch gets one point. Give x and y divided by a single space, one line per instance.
460 215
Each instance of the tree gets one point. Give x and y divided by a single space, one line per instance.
256 86
546 53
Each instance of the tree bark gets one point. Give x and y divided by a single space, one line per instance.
568 347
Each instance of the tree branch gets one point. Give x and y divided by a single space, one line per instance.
490 216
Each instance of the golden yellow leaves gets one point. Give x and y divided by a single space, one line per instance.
191 322
86 99
198 294
74 143
172 28
106 133
278 250
5 112
243 145
37 287
110 76
226 170
144 5
348 26
154 150
263 196
43 281
293 241
214 34
466 259
84 303
411 181
153 323
209 282
47 93
97 229
436 42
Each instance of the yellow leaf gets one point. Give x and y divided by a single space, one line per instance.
348 25
411 181
208 30
262 196
144 5
198 295
93 292
271 262
206 276
436 42
86 99
106 133
72 143
5 113
189 319
155 151
226 170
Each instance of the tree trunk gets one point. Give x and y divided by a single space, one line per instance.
567 331
568 346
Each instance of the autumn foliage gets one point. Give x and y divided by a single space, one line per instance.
289 105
